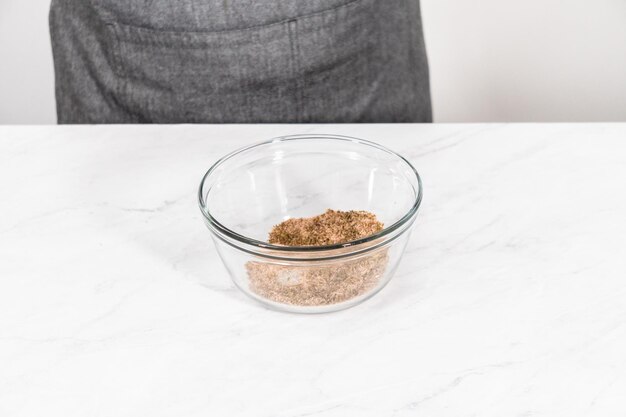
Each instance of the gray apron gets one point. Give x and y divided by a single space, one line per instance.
239 61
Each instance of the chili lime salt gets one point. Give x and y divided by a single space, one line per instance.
311 283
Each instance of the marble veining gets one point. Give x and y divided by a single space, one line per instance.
509 300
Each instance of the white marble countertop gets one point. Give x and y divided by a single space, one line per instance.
510 300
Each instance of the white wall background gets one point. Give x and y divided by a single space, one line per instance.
492 60
527 60
26 73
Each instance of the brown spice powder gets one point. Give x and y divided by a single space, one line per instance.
329 228
313 284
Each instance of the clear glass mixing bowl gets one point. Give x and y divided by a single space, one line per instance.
250 190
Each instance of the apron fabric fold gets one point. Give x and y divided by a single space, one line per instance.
199 61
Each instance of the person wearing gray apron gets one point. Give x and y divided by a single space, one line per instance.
239 61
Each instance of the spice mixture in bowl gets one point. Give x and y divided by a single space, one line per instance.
316 285
311 223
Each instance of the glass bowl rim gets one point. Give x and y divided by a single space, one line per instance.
293 138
